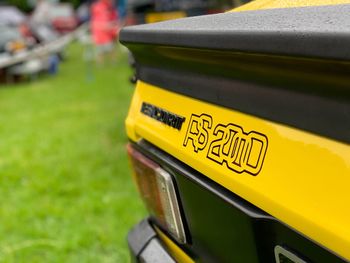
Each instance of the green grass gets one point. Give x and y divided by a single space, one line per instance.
65 186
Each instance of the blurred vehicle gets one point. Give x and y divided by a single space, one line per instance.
63 18
149 11
83 13
11 15
28 68
44 33
11 41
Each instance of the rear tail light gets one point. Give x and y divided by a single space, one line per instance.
158 193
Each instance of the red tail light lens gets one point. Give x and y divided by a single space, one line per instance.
157 190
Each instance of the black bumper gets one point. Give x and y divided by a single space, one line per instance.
145 246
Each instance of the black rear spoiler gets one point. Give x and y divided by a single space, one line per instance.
322 32
290 66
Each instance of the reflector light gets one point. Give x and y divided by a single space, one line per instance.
283 255
157 190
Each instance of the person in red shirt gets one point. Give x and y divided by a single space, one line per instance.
104 28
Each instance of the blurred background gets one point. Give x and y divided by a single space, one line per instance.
65 86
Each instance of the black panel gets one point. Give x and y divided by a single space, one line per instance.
225 228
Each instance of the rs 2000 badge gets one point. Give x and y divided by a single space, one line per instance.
227 144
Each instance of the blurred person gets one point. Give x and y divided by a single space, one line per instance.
27 34
104 29
122 11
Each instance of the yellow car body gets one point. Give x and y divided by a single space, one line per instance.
300 177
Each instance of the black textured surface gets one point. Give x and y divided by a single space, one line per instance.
139 237
322 32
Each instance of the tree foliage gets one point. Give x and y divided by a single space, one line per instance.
21 4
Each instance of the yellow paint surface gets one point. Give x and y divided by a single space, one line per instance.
304 180
173 249
163 16
269 4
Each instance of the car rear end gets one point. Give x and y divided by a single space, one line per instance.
63 18
239 139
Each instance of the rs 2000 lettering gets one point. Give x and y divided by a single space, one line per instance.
197 131
239 151
229 145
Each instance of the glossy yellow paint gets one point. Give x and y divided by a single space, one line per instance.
154 17
173 249
270 4
304 181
